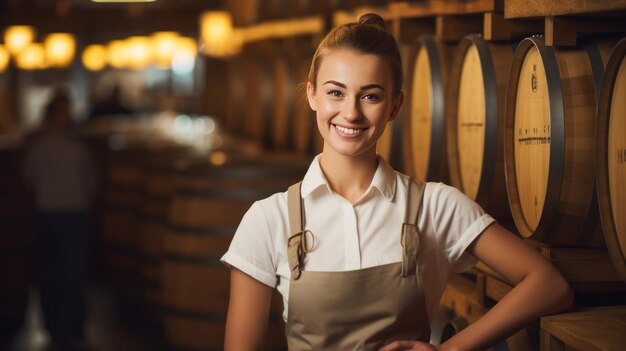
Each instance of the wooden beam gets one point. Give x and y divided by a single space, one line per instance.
564 31
541 8
455 28
107 23
343 17
443 7
496 27
408 29
284 29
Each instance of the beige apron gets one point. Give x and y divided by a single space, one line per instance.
355 310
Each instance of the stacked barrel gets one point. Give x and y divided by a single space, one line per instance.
168 216
205 209
534 134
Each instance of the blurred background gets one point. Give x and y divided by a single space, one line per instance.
156 124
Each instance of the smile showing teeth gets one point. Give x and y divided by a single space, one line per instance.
349 131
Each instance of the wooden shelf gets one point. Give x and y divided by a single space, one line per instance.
540 8
589 271
595 329
441 7
563 31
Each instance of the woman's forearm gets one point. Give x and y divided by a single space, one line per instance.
539 293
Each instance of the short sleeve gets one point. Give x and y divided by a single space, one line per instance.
251 250
458 221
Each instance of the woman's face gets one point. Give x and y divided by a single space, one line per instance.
353 101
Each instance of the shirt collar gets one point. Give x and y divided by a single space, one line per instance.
384 179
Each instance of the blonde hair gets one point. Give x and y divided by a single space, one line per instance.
368 36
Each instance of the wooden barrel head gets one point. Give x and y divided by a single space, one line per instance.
611 157
475 103
471 122
617 155
383 147
421 114
550 141
532 137
424 140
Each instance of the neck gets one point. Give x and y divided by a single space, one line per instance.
348 176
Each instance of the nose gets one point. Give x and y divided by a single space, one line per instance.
351 110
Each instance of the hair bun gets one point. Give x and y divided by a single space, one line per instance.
373 19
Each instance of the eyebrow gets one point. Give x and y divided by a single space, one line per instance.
365 87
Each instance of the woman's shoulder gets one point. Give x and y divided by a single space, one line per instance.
433 191
273 206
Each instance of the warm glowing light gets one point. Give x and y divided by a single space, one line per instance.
217 33
60 49
218 158
117 53
184 59
31 57
163 48
188 45
216 26
95 57
16 38
4 58
139 52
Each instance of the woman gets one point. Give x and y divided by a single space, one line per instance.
359 252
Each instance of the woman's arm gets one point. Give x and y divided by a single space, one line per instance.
248 313
539 289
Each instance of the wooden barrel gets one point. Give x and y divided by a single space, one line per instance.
475 116
424 142
159 178
384 145
308 140
259 91
283 123
204 214
550 143
236 104
121 229
611 157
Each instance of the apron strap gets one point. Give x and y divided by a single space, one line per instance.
409 238
297 243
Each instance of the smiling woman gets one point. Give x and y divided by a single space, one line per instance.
354 107
359 252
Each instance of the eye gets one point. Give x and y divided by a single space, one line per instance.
371 97
335 93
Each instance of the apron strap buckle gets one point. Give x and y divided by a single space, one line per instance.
297 250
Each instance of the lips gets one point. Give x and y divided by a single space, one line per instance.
349 132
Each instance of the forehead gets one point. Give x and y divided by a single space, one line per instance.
351 67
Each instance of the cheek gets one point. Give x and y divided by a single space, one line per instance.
377 112
324 106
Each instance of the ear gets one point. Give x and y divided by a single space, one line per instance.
310 95
397 105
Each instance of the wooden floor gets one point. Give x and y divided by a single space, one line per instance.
106 329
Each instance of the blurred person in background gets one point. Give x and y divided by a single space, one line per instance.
60 173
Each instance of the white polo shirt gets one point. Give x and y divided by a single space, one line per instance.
366 234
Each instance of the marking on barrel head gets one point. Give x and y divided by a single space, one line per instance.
533 79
